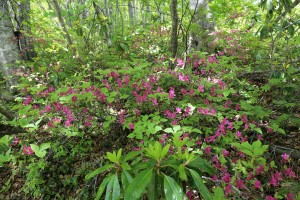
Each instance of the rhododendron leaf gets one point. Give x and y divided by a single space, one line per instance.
176 128
168 130
131 155
203 165
40 151
157 128
200 185
182 174
218 194
126 179
113 189
138 185
98 171
153 190
102 187
165 150
172 190
119 154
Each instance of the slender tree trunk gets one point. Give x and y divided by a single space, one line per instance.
9 51
107 27
62 22
199 39
131 12
174 32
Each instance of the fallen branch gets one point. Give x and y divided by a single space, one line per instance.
295 154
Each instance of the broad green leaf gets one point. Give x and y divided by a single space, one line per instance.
98 171
168 130
113 189
165 150
203 165
37 151
200 185
219 194
153 188
176 128
131 155
126 179
138 185
182 174
44 146
119 154
102 187
172 190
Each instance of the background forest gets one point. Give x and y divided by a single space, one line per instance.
140 99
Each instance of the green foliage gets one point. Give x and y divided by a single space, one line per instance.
113 122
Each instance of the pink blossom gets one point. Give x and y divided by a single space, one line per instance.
16 141
74 98
228 189
178 110
240 184
290 196
154 101
137 112
270 198
171 93
213 112
27 150
259 170
207 150
189 195
47 108
181 77
273 181
238 134
200 88
131 126
226 178
225 152
257 184
179 62
68 123
285 157
122 119
27 100
289 172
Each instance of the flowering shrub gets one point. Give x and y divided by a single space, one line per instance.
184 131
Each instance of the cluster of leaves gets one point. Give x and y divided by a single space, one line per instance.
125 126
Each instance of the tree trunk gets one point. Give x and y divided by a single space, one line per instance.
9 51
62 22
131 12
203 19
174 32
106 26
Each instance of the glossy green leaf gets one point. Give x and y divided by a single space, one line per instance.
218 194
102 187
98 171
172 190
131 155
138 185
200 185
165 150
152 193
113 189
203 165
126 179
182 174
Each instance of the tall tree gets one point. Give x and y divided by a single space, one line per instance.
174 32
203 19
9 51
